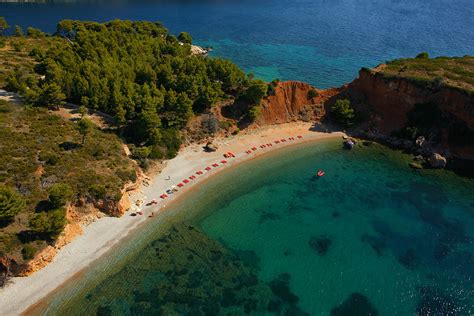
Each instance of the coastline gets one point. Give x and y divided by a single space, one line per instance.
100 236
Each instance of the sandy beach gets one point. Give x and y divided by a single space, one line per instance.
104 233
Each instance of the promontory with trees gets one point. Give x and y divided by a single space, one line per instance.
157 95
136 73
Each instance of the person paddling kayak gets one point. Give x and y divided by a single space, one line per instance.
321 173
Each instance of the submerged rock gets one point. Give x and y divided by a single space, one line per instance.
355 305
321 244
408 259
281 288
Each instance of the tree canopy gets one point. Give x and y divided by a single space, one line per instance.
185 38
343 112
137 72
256 91
11 203
3 25
60 194
84 127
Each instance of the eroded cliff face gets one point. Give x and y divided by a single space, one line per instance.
391 100
291 102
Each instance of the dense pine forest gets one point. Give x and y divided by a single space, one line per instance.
139 73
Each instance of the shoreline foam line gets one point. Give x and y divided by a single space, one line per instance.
100 236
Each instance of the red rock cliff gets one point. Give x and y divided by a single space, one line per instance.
290 102
390 100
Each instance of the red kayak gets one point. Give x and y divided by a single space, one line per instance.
321 173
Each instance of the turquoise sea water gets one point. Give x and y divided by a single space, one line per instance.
321 42
268 237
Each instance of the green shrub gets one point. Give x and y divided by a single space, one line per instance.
18 46
256 91
141 153
18 31
127 175
60 194
254 112
28 252
11 203
51 223
3 25
4 107
98 191
423 55
156 152
171 140
343 112
35 33
49 158
312 94
225 125
185 38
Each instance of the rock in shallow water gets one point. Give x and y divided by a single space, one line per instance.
416 165
355 305
321 244
437 161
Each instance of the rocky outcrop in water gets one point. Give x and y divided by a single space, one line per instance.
437 161
356 305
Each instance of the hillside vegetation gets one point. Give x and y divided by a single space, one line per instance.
15 54
137 72
456 72
43 166
146 79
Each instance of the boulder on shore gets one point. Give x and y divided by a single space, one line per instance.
420 141
416 165
437 161
210 147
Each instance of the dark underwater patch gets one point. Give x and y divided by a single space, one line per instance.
281 288
320 244
409 259
355 305
378 244
187 273
268 216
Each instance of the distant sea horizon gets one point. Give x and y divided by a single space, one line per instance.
324 43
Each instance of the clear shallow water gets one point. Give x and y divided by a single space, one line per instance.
270 236
321 42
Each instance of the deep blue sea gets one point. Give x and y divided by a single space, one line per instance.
323 42
371 237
